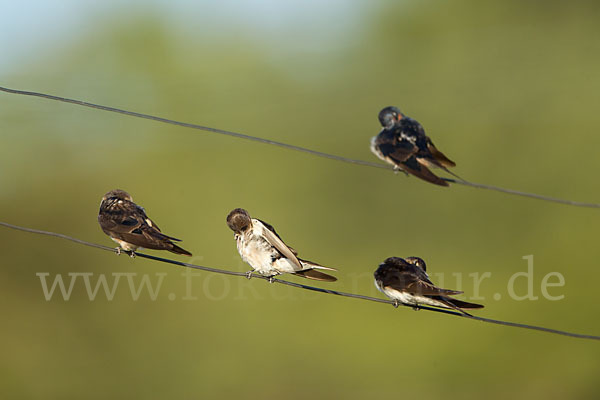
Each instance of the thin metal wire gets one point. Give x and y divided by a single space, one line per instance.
195 126
291 147
305 287
523 194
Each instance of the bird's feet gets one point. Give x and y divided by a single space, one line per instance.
119 250
396 303
249 275
271 278
398 169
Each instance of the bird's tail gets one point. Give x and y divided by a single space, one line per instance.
314 265
453 174
178 250
310 271
458 305
464 304
316 275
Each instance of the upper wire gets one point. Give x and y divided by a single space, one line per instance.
306 287
291 146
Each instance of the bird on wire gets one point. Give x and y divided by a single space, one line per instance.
402 142
406 281
127 224
261 247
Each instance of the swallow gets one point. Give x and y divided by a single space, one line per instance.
127 224
403 143
406 281
262 248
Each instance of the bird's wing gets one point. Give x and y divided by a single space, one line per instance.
426 148
153 225
438 156
403 153
413 167
130 223
407 279
424 288
141 212
121 218
457 304
275 241
393 146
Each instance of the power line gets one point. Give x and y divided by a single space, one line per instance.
194 126
290 146
305 287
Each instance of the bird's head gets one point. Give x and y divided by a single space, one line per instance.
239 220
419 262
389 116
114 196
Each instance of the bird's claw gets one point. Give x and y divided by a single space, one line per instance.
271 278
249 274
398 169
119 250
396 303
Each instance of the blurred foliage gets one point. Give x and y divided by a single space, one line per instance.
509 90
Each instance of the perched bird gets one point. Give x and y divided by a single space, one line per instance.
261 247
402 142
127 224
406 281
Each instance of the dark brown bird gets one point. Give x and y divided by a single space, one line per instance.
406 281
403 143
127 224
261 247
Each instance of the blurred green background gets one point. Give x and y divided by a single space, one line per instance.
509 90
